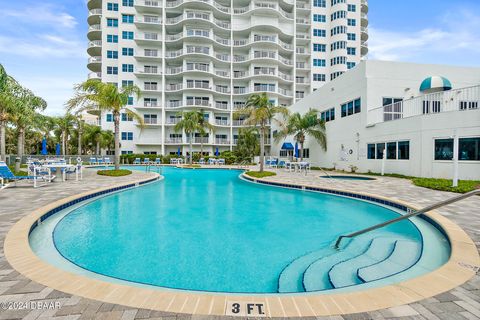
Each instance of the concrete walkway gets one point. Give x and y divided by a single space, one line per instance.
460 303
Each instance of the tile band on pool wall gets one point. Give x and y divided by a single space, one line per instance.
454 273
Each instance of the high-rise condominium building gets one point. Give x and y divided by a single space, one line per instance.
211 55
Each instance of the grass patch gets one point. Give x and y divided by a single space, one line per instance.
258 174
446 184
18 173
192 166
114 173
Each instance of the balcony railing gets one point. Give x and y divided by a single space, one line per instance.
173 120
174 140
446 101
222 141
149 3
222 122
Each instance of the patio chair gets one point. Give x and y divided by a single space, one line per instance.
35 168
274 163
179 161
136 161
221 162
281 164
92 160
173 161
146 161
201 161
7 174
157 161
108 161
212 161
100 161
304 166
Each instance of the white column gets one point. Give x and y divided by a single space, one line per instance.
455 158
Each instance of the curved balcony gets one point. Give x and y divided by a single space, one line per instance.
364 49
95 64
94 32
206 105
202 16
94 4
265 7
95 75
94 16
364 33
148 73
364 19
95 48
256 39
364 6
148 6
194 4
148 22
198 33
148 38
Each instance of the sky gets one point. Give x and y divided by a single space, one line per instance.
43 43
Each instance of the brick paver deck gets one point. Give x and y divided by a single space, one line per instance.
460 303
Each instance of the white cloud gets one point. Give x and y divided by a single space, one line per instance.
456 35
42 46
43 14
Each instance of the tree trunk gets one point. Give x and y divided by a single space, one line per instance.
79 151
3 152
301 151
19 148
262 147
116 120
191 149
23 142
64 144
97 148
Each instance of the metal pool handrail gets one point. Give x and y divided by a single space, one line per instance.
407 216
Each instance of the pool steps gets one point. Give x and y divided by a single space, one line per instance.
326 269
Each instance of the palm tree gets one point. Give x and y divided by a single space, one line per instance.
96 96
9 88
204 127
260 112
302 126
65 126
25 106
247 146
93 134
189 124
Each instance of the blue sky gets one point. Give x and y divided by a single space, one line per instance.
43 43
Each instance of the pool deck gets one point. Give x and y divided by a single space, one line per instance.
460 303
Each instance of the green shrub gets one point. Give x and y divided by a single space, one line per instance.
114 173
258 174
446 184
129 158
18 173
229 157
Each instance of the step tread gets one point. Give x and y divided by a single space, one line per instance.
344 273
404 255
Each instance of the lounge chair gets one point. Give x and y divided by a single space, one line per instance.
221 162
108 161
304 166
274 163
281 164
179 161
136 161
146 161
173 161
7 174
92 160
201 161
212 161
158 161
100 161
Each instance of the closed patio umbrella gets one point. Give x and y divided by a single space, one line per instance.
57 149
44 146
216 152
179 152
296 150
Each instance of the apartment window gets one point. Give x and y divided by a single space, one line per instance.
351 22
127 136
351 36
130 101
127 152
127 67
127 83
338 15
150 118
391 150
351 51
328 115
127 117
319 77
351 107
127 3
468 105
320 3
317 47
335 74
112 70
319 62
371 151
319 33
380 150
127 35
352 8
112 22
392 108
111 54
127 52
306 153
338 45
351 65
443 149
403 150
319 18
112 6
109 117
112 38
469 149
127 18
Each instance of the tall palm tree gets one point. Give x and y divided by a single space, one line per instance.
302 126
9 88
64 128
189 124
247 146
204 128
93 134
96 96
260 112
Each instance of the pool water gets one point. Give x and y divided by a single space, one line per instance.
209 230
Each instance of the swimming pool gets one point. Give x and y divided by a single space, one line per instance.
208 230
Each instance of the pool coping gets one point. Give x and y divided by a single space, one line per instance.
460 267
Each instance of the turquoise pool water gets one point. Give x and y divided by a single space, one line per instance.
209 230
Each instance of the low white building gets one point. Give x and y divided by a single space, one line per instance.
413 111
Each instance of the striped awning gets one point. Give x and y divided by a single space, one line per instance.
435 84
287 146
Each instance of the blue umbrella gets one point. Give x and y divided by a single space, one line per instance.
179 152
296 150
44 146
57 149
216 152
